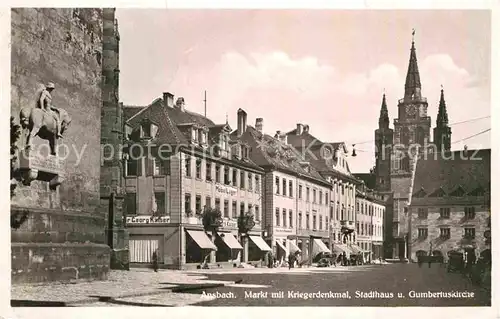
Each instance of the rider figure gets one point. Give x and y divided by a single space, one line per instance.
45 103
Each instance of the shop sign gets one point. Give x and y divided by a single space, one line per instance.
226 190
148 219
229 223
283 230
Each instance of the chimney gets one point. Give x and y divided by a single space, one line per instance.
306 129
277 135
242 122
168 99
300 128
180 104
259 123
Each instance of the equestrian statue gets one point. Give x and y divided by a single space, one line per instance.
44 120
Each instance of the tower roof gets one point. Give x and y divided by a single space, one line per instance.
412 84
383 120
442 117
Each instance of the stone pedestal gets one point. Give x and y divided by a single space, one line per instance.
46 168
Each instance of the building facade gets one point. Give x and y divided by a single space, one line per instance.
450 207
370 211
296 197
195 165
331 161
396 153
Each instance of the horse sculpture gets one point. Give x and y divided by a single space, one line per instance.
42 123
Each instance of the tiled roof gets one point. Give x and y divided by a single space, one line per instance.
452 172
368 178
269 151
179 116
130 110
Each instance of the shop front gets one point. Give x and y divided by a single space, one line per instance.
257 250
319 249
229 249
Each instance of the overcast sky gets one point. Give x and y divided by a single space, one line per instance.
324 68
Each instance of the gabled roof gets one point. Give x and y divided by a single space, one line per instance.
268 151
435 173
458 192
130 110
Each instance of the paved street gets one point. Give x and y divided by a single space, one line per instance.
378 282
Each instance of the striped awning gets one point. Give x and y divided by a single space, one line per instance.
356 249
342 248
230 240
319 247
280 244
201 239
293 248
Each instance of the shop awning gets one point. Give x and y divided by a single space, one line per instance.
319 247
293 248
356 249
259 242
342 248
280 244
201 239
230 240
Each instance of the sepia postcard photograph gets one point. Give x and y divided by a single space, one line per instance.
251 157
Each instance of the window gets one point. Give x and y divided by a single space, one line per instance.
314 196
257 183
422 213
226 175
326 199
134 167
257 213
357 227
160 202
320 222
331 212
470 233
470 212
234 207
290 218
217 173
235 176
314 222
226 208
284 217
320 197
337 213
187 166
277 216
217 203
290 188
300 220
242 208
326 223
250 181
307 220
342 186
208 202
357 207
300 192
342 217
198 204
422 233
187 203
444 212
130 203
198 168
242 179
208 167
158 167
307 194
444 232
284 187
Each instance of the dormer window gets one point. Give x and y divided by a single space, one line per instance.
128 131
245 152
148 129
194 135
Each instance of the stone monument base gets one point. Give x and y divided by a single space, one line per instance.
53 245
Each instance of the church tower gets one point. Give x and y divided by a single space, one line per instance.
442 131
383 145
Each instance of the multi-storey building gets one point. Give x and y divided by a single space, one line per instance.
370 211
450 205
330 160
188 163
396 153
296 197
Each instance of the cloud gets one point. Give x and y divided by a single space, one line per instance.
337 106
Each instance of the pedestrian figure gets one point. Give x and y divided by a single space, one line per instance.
430 261
155 261
290 261
419 261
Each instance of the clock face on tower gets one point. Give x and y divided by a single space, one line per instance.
411 110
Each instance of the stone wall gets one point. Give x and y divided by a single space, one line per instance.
63 236
62 46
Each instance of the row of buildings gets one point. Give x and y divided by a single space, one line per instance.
177 163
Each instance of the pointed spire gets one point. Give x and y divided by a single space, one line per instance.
412 84
383 121
442 117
